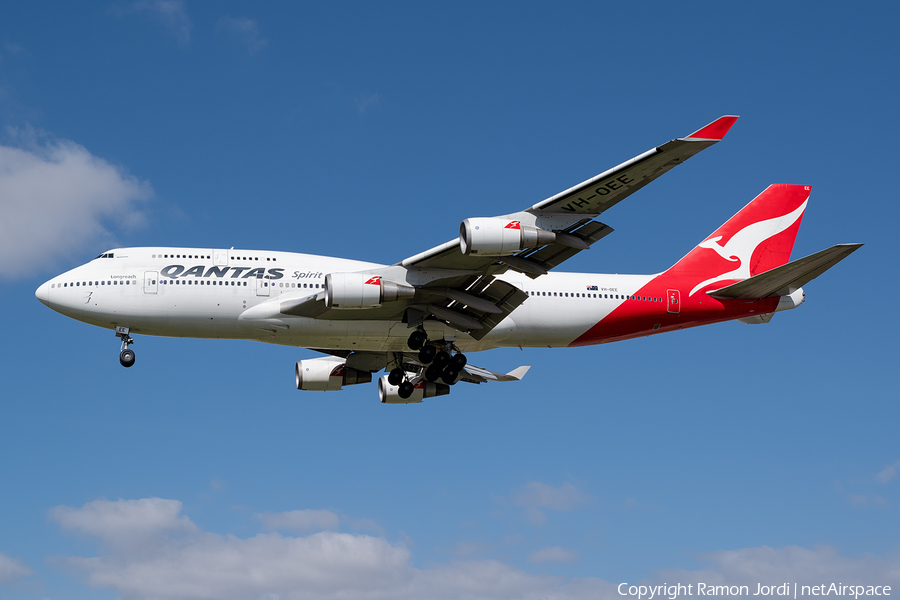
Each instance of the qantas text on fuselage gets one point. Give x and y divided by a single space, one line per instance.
490 287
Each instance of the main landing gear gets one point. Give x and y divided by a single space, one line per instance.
440 365
126 356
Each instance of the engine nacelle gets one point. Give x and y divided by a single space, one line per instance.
327 373
389 394
360 290
500 237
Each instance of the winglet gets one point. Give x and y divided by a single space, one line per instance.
715 130
519 373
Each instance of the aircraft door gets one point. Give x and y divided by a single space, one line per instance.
262 287
221 257
151 280
673 301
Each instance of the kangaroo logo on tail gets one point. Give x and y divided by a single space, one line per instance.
744 243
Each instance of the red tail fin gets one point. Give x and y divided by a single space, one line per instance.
758 238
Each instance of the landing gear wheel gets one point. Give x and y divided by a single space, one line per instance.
126 357
416 339
426 354
406 390
450 375
459 361
442 359
395 377
433 372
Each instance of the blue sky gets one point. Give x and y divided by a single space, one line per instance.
729 453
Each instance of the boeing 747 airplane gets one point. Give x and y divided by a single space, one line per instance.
488 288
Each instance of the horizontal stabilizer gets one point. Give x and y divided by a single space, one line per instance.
518 373
475 374
783 280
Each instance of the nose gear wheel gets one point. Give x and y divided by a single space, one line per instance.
126 356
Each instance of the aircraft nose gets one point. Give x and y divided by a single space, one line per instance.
43 293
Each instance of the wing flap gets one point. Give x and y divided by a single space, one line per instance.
501 294
552 255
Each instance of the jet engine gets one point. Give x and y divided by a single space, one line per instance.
490 236
360 290
390 394
327 373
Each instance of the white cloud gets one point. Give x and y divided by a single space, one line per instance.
12 569
199 565
888 473
300 520
541 495
534 496
178 561
867 501
125 523
554 554
58 199
367 101
171 13
244 30
12 48
766 565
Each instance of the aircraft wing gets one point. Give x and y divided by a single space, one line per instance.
603 191
462 289
568 214
571 212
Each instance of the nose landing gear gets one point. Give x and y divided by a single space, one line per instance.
126 356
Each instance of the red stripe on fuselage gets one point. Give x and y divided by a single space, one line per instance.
638 317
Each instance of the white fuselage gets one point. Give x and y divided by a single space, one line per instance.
204 293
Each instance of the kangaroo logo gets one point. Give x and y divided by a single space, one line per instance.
743 244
